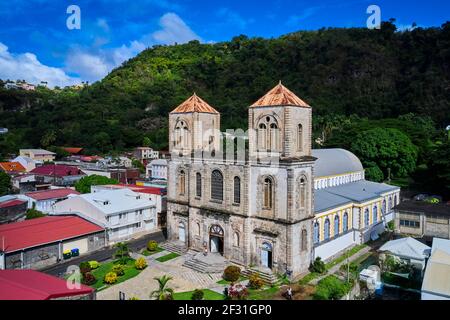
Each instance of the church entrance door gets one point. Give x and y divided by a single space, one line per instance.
266 255
216 239
181 232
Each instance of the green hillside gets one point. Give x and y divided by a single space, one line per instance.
373 74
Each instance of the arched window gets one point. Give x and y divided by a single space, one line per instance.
217 185
300 137
389 204
181 135
198 229
268 193
345 222
182 186
366 218
336 225
316 237
198 184
326 229
375 214
273 139
304 240
383 207
236 239
237 190
262 132
303 193
395 200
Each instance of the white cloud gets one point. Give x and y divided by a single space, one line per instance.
93 63
87 65
174 29
26 66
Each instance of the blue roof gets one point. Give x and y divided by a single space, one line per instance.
358 191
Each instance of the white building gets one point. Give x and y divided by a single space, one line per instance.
124 213
45 199
145 153
28 163
157 169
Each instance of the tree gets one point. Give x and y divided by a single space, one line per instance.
439 169
388 149
84 184
122 252
48 138
163 292
5 183
146 142
137 164
34 214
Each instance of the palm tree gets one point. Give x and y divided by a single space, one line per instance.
122 252
163 291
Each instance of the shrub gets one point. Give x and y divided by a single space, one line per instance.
134 298
331 288
88 279
152 245
118 270
391 225
238 292
140 264
110 278
197 295
232 273
94 264
85 267
318 266
255 281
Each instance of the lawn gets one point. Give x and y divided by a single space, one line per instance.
226 282
264 294
168 257
147 253
100 272
208 295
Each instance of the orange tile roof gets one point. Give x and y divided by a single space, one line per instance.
280 96
12 166
73 150
194 104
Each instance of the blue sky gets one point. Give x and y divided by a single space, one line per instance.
36 45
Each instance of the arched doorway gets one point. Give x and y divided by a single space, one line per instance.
216 239
181 232
266 255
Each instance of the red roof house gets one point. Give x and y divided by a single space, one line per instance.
34 285
51 194
57 170
37 232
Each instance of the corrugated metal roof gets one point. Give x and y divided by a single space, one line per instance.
195 104
12 166
280 96
34 285
361 191
437 274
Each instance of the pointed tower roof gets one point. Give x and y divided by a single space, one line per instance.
280 96
194 104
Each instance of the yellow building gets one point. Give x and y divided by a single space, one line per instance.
38 155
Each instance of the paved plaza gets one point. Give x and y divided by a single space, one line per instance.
184 279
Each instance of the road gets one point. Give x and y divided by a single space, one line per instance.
103 255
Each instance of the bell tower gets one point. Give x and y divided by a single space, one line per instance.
281 124
194 125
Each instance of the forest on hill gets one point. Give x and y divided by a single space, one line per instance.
355 79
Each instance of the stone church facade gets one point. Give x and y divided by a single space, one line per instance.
252 211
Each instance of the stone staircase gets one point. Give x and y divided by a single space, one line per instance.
176 247
206 264
265 274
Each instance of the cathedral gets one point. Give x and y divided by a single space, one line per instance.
277 214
